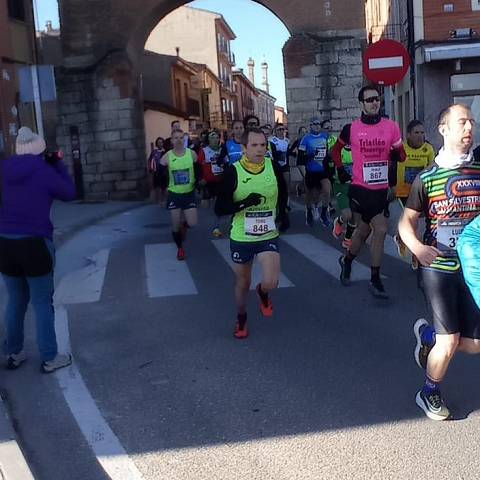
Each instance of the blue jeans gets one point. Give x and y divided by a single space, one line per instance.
38 290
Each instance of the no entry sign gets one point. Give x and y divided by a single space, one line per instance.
386 62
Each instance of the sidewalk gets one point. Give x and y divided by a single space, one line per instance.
68 219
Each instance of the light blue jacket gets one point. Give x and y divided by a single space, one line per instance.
468 249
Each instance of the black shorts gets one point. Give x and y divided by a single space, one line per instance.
25 257
314 179
244 252
183 201
367 203
209 190
451 303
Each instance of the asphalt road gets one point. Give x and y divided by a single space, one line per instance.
323 390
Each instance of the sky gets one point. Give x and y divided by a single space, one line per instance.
270 34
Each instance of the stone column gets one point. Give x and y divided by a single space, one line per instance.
323 75
103 102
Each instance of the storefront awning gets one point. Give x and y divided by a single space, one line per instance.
451 52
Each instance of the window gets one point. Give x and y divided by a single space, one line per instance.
178 94
185 95
16 9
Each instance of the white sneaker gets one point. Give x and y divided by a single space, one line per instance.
15 360
60 361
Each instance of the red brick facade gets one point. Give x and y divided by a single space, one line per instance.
438 23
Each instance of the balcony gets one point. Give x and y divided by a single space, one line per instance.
392 31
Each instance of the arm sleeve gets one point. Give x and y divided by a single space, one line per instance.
345 134
337 152
302 152
223 156
224 204
282 189
60 183
197 168
418 198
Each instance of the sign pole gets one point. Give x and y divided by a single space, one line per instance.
37 100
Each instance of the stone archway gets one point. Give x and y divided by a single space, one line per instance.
100 110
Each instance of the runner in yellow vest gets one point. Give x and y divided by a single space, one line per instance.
254 192
183 174
420 155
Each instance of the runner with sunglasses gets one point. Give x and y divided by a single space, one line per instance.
372 139
313 158
253 191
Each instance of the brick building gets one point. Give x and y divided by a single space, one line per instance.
168 94
17 44
245 95
207 42
444 41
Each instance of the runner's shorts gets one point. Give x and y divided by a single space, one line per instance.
209 190
367 203
314 179
244 252
183 201
340 191
451 303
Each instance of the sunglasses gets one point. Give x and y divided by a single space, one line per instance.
316 123
371 99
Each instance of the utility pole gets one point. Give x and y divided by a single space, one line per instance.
35 75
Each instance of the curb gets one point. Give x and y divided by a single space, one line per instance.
61 238
13 465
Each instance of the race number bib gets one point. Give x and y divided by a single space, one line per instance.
216 170
375 173
320 154
448 233
259 223
411 173
181 177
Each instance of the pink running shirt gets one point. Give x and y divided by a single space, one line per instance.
371 145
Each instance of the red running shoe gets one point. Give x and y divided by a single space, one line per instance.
266 305
240 333
180 254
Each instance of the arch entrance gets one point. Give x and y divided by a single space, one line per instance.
100 110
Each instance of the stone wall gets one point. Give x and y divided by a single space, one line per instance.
103 102
323 74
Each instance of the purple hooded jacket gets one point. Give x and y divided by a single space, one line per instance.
29 186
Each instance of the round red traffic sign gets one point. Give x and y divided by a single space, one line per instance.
386 62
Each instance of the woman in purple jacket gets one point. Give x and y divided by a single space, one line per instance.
30 183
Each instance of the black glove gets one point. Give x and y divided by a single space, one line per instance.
252 200
52 157
343 175
283 222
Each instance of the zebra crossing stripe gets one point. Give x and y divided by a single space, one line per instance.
84 285
166 276
223 247
323 255
105 445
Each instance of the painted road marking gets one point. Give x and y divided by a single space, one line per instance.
166 276
107 448
223 247
84 285
323 255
